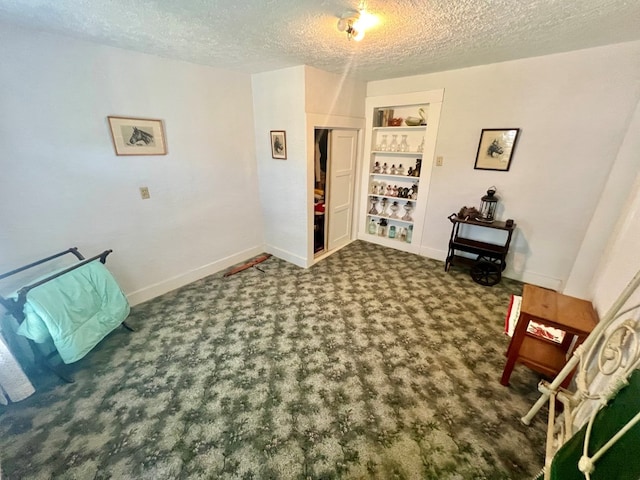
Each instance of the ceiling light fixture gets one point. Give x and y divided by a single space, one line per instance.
355 23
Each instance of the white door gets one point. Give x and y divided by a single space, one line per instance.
343 145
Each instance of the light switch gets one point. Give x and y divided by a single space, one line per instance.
144 193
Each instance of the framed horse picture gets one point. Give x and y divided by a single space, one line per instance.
279 144
137 136
495 149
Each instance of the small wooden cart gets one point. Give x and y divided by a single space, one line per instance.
487 267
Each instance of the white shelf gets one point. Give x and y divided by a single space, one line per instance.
391 198
386 241
402 127
399 220
390 175
389 152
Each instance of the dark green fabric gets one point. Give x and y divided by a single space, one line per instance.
620 462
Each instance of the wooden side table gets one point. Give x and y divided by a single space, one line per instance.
574 316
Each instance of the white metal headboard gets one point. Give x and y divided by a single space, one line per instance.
604 362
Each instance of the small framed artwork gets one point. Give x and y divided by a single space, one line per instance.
495 149
278 144
137 136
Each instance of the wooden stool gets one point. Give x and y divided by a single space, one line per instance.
573 316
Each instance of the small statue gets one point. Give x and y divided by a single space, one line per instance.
416 171
376 168
410 172
385 168
394 192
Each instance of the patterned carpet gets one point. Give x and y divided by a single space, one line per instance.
373 363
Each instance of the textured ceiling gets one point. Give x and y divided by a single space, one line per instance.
414 36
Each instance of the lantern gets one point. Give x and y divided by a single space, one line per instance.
488 206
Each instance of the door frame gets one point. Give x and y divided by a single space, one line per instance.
331 122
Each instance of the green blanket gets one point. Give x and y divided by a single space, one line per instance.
622 461
75 310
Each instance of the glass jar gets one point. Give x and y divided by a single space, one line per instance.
372 227
382 228
409 233
392 231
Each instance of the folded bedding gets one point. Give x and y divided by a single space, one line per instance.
75 310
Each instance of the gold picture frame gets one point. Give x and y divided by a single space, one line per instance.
495 149
279 144
137 136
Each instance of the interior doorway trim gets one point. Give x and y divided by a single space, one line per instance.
330 122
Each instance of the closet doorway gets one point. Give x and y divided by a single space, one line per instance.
335 168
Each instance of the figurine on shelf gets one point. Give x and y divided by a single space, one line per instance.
374 188
416 171
376 167
402 234
385 168
405 192
389 191
394 170
400 170
381 188
394 210
413 192
408 207
410 172
394 192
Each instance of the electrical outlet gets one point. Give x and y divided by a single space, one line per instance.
439 161
144 193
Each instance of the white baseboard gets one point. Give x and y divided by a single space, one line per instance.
433 253
524 276
287 256
533 278
160 288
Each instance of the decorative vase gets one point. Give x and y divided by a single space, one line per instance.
383 144
404 146
393 146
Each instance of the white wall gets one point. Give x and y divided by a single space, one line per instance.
280 100
278 103
333 95
335 102
63 185
573 109
610 208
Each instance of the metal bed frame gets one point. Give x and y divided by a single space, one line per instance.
604 362
15 306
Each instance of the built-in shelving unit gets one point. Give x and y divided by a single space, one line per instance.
388 148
